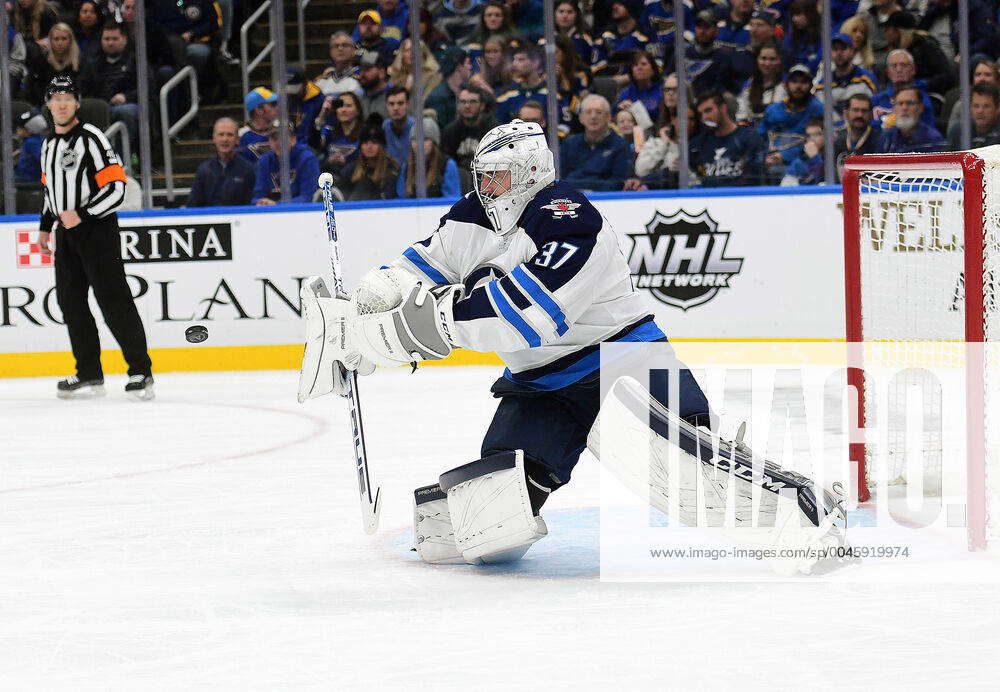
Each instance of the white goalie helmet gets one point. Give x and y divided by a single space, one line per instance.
512 164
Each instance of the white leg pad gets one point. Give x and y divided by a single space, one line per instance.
433 536
490 509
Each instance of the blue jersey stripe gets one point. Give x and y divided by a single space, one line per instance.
422 264
645 332
510 314
542 298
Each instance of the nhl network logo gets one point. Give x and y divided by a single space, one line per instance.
681 259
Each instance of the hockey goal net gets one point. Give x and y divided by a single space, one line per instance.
922 249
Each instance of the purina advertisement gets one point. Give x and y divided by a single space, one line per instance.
736 266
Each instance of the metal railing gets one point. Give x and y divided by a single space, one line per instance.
167 130
246 65
6 124
122 132
301 21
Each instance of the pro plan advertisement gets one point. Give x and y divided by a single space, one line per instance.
181 271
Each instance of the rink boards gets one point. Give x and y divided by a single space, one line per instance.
759 264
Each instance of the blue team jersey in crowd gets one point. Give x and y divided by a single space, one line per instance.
584 45
395 26
779 121
922 139
303 112
658 23
733 34
882 107
545 295
732 160
650 97
808 171
29 161
602 166
511 97
253 145
397 146
303 175
802 50
715 69
611 42
857 81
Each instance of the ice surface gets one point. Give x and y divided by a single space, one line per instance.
213 538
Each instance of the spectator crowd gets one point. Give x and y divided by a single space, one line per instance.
754 85
92 42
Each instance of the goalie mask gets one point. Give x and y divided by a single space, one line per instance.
512 164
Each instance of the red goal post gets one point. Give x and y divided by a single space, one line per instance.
921 250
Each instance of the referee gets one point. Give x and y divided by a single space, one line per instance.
84 185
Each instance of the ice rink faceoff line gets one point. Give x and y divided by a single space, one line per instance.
320 426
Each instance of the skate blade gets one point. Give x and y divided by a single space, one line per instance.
89 392
146 394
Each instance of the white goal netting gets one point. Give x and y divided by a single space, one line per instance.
914 312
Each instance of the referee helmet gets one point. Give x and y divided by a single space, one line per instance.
62 84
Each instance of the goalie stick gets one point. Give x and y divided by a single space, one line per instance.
369 495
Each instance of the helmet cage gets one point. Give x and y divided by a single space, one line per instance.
521 178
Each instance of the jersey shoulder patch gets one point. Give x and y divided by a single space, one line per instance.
560 210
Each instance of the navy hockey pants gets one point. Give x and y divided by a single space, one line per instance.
552 426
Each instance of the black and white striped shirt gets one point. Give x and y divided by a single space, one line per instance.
82 173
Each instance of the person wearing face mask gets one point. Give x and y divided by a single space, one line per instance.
658 164
724 154
900 71
908 133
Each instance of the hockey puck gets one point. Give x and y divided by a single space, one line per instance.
196 334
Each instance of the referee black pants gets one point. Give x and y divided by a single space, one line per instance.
88 256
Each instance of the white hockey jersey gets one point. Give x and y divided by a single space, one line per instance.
543 296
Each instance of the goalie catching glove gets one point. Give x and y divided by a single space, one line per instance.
393 319
330 353
417 328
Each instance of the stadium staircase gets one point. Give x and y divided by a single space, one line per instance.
322 18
